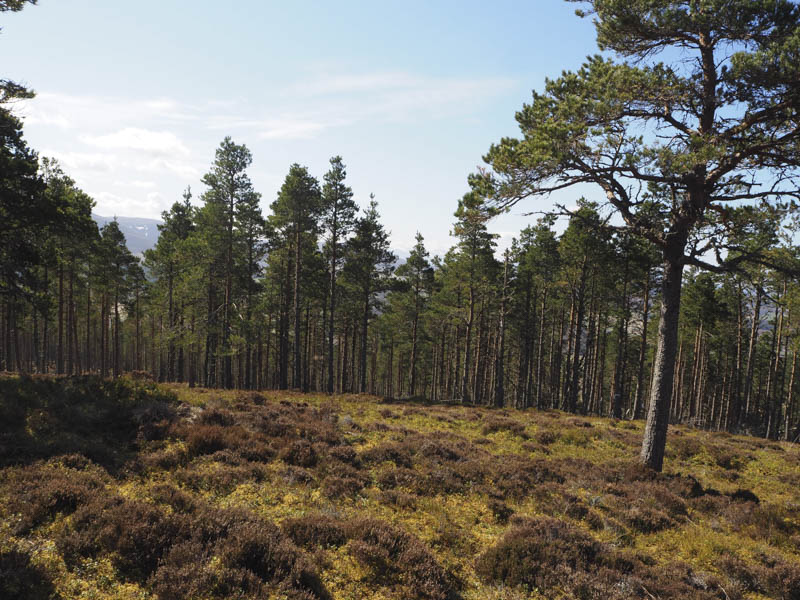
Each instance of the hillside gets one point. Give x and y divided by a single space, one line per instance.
124 489
140 234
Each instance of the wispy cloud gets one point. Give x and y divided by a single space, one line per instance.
133 138
121 148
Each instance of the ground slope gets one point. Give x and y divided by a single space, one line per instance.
130 490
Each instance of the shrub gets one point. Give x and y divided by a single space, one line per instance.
561 561
547 436
647 520
215 416
100 419
398 499
741 495
134 533
500 511
206 439
398 454
40 493
263 550
297 475
744 575
768 522
22 580
539 553
394 555
178 500
494 424
315 530
299 453
218 477
338 487
345 454
686 447
782 579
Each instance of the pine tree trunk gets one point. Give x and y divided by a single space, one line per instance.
362 388
499 391
751 353
655 434
60 343
413 367
572 398
789 404
638 405
331 324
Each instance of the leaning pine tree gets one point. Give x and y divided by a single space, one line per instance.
699 154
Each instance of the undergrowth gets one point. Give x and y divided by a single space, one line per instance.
126 489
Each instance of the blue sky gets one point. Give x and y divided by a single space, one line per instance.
134 97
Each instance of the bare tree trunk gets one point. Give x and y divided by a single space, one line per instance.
751 353
60 344
540 352
789 405
296 379
499 392
637 405
655 434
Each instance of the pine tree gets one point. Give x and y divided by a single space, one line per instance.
368 268
296 215
724 116
338 218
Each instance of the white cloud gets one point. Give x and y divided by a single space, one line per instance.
115 147
82 161
181 168
144 140
137 183
110 204
290 128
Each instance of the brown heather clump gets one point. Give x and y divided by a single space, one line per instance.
135 534
500 511
560 560
190 501
316 530
539 553
394 556
39 493
493 424
770 576
20 579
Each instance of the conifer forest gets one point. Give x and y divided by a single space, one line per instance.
662 299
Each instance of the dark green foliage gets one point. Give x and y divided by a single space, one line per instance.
26 214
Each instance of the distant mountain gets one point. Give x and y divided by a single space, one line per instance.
141 234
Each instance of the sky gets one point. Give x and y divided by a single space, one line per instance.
134 97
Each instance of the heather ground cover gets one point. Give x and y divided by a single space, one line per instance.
128 489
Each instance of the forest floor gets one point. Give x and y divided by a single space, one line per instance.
125 489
